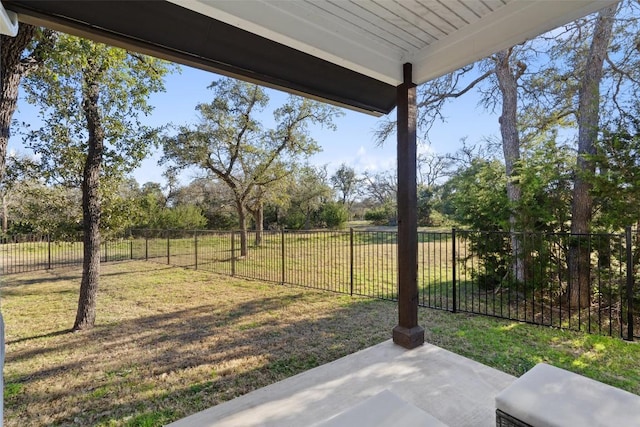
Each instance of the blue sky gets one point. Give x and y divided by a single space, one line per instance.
352 143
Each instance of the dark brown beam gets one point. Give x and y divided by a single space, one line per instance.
172 32
407 333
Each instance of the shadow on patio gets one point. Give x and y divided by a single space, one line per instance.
453 389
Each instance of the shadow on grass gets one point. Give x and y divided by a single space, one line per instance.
157 268
391 237
26 292
35 337
179 362
8 283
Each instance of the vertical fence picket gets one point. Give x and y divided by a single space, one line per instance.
629 282
351 261
48 251
282 258
453 271
195 249
168 248
233 253
609 294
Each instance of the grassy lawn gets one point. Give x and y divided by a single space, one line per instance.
171 341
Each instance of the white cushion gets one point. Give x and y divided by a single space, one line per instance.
547 396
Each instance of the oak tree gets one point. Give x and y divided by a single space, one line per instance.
231 144
91 98
19 56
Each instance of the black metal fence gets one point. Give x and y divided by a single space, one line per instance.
33 252
529 277
519 276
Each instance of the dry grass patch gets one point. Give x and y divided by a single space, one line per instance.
168 342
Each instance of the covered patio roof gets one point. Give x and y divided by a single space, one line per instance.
347 52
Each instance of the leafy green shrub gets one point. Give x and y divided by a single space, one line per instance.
382 215
219 220
295 220
334 215
424 207
183 217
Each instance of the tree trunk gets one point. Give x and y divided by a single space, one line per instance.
12 71
307 219
86 315
508 83
242 221
258 218
588 116
5 214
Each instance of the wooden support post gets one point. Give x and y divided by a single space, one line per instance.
407 333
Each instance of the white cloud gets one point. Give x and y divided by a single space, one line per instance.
377 161
425 148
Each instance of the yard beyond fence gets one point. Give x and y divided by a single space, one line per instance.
458 271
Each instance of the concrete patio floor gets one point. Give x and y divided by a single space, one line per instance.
455 390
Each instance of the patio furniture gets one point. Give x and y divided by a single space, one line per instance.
549 396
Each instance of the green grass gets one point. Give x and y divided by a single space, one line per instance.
151 419
515 348
12 389
171 341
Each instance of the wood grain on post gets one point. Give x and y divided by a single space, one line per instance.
407 333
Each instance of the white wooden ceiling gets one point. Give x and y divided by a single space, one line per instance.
375 37
348 52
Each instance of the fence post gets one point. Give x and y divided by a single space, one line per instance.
454 269
146 247
49 251
630 281
195 241
351 261
130 249
233 253
168 249
282 252
105 252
